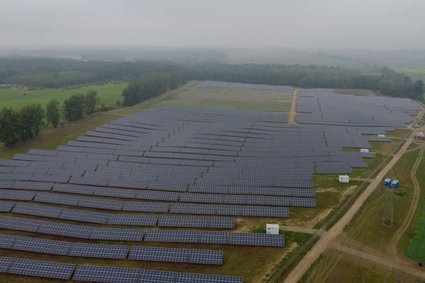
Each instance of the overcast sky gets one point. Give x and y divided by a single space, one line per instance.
354 24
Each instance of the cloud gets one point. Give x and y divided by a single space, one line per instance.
352 24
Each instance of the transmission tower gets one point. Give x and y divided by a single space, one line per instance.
388 216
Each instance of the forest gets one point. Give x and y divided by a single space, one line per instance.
57 73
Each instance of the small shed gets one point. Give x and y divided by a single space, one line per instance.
344 178
395 183
420 136
387 182
364 150
272 229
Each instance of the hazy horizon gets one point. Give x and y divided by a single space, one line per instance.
307 24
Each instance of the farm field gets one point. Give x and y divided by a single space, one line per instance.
255 264
413 73
18 97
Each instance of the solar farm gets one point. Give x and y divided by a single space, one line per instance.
158 196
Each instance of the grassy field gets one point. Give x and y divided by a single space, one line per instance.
413 73
413 242
358 92
18 97
366 227
335 266
228 98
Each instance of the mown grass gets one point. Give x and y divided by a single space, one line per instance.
246 99
335 266
18 97
357 92
366 226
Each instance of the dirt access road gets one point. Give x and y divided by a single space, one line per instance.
394 263
292 115
328 236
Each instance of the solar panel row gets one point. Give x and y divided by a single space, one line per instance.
116 219
223 238
93 273
70 230
131 275
213 257
231 210
131 235
37 268
247 199
91 250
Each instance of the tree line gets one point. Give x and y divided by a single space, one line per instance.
151 77
153 85
25 124
383 80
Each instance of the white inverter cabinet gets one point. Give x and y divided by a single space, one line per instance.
272 229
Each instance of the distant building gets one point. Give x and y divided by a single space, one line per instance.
272 229
387 182
420 136
344 178
395 183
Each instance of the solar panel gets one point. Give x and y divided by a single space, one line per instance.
37 210
98 250
253 239
159 254
5 263
19 224
94 273
40 268
172 236
196 222
117 234
16 195
220 238
41 246
213 257
84 216
66 230
6 241
6 206
145 207
132 220
207 278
